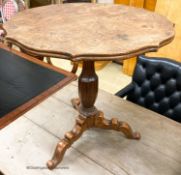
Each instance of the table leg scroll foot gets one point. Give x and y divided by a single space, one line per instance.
69 138
114 124
75 103
58 155
127 130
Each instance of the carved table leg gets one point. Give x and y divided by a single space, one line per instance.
114 124
3 34
75 103
10 45
89 116
49 60
65 143
75 67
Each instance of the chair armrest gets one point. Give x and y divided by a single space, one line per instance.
125 91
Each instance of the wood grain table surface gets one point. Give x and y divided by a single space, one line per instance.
29 141
84 31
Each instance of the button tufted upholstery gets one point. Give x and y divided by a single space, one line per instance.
156 85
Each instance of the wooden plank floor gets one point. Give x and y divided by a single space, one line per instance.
27 143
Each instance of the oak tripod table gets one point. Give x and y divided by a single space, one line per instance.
89 33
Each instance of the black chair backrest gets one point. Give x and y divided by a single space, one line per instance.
157 86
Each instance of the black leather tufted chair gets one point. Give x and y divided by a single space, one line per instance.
156 85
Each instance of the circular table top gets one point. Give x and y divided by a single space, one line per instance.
84 31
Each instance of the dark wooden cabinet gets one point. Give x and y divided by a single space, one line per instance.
36 3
